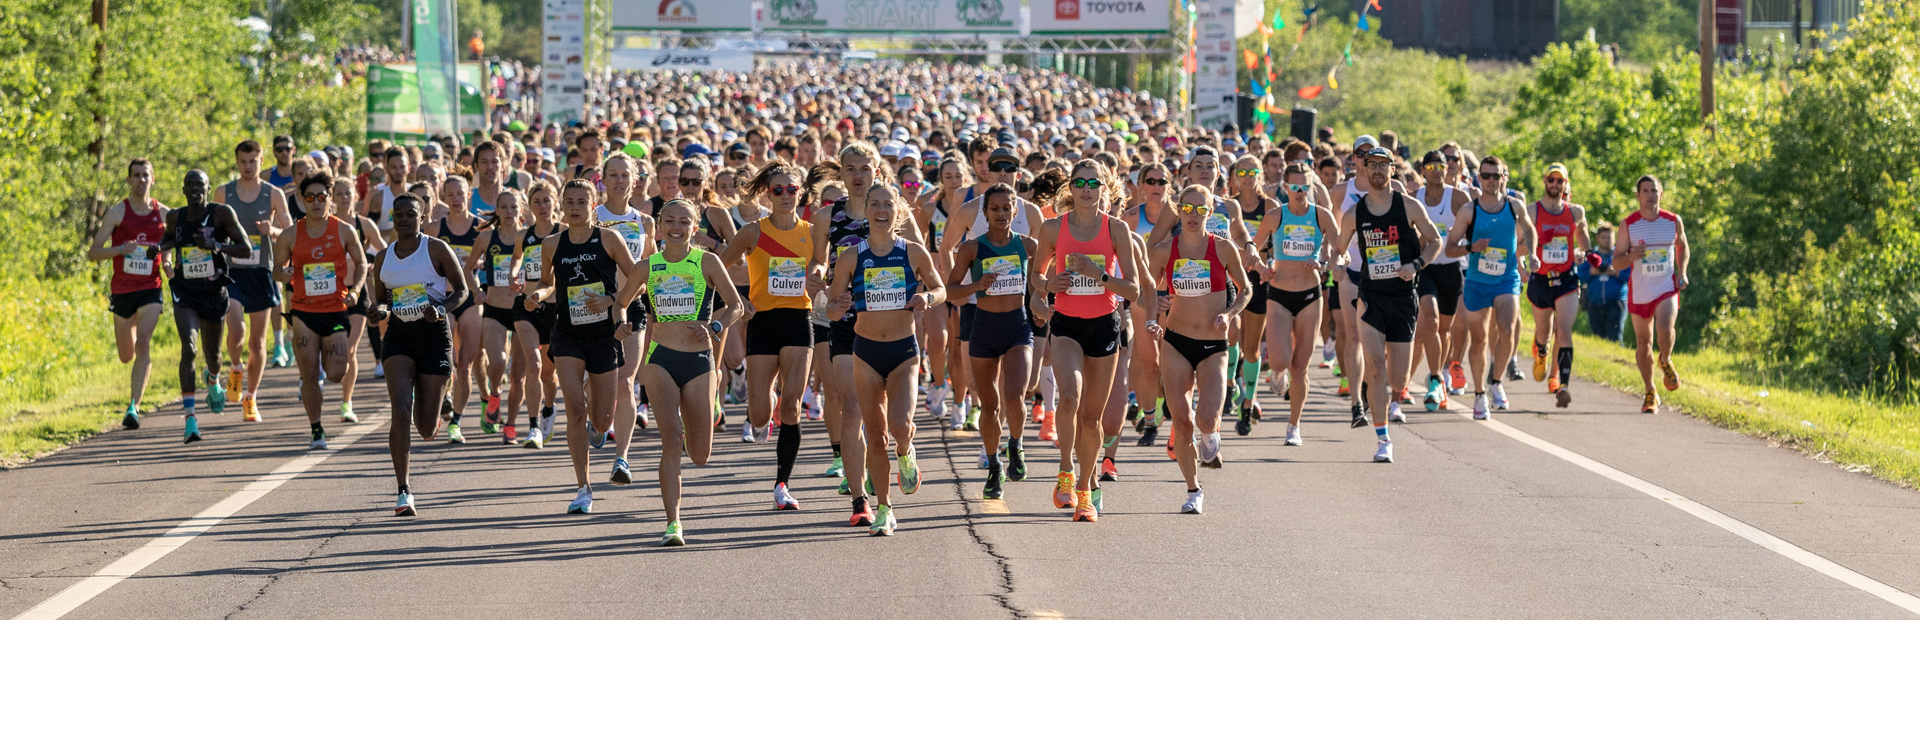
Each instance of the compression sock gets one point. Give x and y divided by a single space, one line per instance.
1159 410
1233 360
1249 374
836 450
186 402
787 449
1564 358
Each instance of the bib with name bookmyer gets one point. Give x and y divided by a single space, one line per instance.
886 288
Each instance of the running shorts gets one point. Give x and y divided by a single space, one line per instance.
128 304
209 305
254 289
1442 282
773 330
995 333
1295 301
324 324
1543 291
428 344
602 355
1477 296
1392 314
1097 336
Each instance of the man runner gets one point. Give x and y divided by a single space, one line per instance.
1396 240
253 295
1653 241
1561 228
136 226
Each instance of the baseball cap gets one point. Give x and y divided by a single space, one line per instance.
890 149
1433 157
1002 153
1366 139
909 151
668 124
636 150
695 149
546 153
516 126
1379 153
1559 168
900 134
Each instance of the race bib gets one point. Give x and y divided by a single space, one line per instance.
464 252
319 279
1493 261
1217 224
1555 252
196 263
673 296
577 311
410 302
531 265
1657 262
1013 279
636 237
502 270
1192 278
1383 262
786 276
139 261
886 288
252 257
1086 285
1299 242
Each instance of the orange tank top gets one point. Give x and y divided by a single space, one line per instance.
1085 297
777 267
319 269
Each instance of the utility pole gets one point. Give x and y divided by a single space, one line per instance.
1709 35
98 148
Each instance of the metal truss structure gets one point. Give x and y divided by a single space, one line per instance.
1164 44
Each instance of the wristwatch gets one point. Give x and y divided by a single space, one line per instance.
716 327
1104 277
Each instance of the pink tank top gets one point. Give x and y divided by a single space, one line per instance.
1085 297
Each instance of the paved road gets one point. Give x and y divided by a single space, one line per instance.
1473 522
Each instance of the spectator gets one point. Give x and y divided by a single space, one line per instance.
1604 290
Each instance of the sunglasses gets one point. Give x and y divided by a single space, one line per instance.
1300 188
691 182
1194 208
1003 167
910 185
1492 175
1085 182
1453 158
283 149
1154 181
737 156
1246 173
784 189
322 195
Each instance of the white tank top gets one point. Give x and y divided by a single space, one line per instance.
385 209
1349 195
413 281
1442 216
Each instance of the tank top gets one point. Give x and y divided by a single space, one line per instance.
1196 277
1216 223
1554 237
582 269
196 269
530 254
383 213
278 180
845 232
1085 297
1442 217
1251 217
318 263
139 269
1020 224
463 243
883 283
496 264
777 267
259 209
1387 240
1144 226
1298 237
412 282
1009 261
1350 195
1653 274
629 227
1495 264
937 227
677 290
479 207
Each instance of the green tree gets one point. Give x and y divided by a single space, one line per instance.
1647 30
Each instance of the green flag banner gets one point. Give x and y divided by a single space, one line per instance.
393 102
435 55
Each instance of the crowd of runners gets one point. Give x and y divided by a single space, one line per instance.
1011 250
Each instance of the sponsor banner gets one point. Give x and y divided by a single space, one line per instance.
1215 78
682 14
898 16
563 53
435 57
393 102
681 59
1062 17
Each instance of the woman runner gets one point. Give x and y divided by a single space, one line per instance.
533 319
1298 233
412 282
497 266
1001 348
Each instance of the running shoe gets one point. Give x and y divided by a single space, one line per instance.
487 426
1063 490
1651 404
1170 454
1254 406
1327 354
1233 396
403 507
236 381
512 437
1108 471
621 473
1360 417
1037 413
1394 415
973 419
1194 498
1666 368
993 490
347 415
446 408
782 500
1344 389
453 434
1384 453
492 412
217 394
1209 446
1457 376
1047 431
193 429
1133 410
909 472
1433 390
1148 435
281 357
131 420
319 442
641 415
536 439
1498 394
883 522
983 457
1480 406
596 438
937 401
674 536
1513 369
582 502
746 432
1083 509
839 469
1539 362
1293 435
546 424
1553 384
1406 397
862 513
957 418
1098 505
1563 397
1016 464
249 410
380 370
1244 426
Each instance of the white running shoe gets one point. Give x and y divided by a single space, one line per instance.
1499 393
983 457
1383 454
546 424
1209 450
1192 507
1293 435
937 400
959 418
1393 413
642 415
582 502
1480 406
1326 351
783 499
746 432
536 439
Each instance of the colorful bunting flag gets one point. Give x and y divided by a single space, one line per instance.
1363 22
1375 4
1333 83
1278 21
1311 92
1252 61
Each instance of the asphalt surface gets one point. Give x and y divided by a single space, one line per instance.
1469 523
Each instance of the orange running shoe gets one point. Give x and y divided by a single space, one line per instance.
1037 413
236 381
1047 432
1673 378
1457 374
1651 404
249 411
1553 384
1063 490
1083 510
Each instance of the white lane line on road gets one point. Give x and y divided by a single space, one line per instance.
1714 517
78 594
